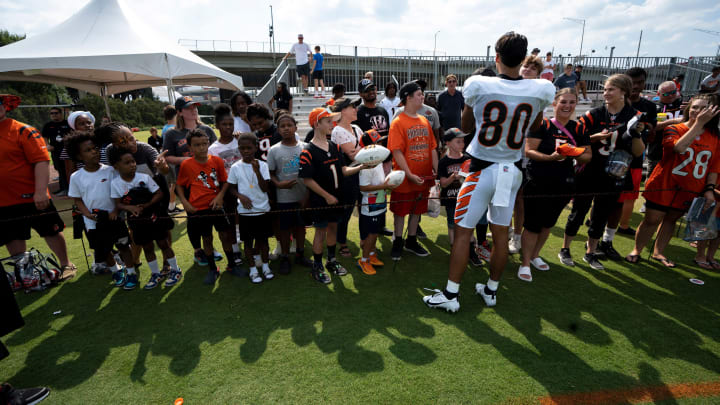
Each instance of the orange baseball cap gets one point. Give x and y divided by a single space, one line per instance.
568 150
318 113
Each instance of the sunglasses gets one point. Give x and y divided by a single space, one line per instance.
452 81
54 112
672 93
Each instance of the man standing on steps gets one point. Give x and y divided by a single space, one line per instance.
370 115
302 54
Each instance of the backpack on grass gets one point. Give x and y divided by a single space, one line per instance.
33 271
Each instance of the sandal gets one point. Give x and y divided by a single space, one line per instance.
634 259
345 251
524 274
540 264
664 261
714 264
68 272
703 265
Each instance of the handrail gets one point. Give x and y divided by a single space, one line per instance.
266 92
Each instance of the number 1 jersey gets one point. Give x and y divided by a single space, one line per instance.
504 109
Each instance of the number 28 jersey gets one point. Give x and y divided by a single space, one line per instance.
679 177
504 109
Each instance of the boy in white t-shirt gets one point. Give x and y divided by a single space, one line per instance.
249 181
90 187
139 195
372 215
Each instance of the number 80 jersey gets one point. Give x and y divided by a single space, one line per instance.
504 109
679 177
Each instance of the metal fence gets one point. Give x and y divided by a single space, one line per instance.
350 69
216 45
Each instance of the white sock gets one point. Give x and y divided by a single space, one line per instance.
130 270
257 258
609 234
235 248
266 268
253 270
452 287
154 267
492 285
115 268
365 259
173 264
171 206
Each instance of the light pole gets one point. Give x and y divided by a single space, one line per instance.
582 37
435 60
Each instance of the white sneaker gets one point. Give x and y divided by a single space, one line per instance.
540 264
514 245
490 299
267 273
440 301
524 273
255 277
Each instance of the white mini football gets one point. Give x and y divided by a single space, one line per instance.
395 177
372 155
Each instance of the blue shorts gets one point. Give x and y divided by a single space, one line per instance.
290 219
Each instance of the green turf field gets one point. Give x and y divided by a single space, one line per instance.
370 339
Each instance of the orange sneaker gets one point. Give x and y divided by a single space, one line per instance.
366 267
375 261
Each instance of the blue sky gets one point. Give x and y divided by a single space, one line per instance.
466 26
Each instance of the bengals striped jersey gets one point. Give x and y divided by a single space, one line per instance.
682 175
504 110
323 166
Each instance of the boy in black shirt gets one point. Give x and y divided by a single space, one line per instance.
265 129
322 168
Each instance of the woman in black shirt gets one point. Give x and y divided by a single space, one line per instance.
551 176
606 127
282 98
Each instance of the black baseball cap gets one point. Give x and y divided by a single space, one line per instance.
344 102
408 89
184 102
453 133
535 50
365 85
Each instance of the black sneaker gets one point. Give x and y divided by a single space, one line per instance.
285 266
319 274
626 231
420 234
565 257
336 268
592 260
237 271
474 258
303 261
397 247
211 277
413 246
27 396
386 232
609 251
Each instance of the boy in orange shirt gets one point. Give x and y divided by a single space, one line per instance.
202 177
413 147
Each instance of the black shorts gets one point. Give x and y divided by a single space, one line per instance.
544 211
371 224
303 70
202 222
318 75
106 235
290 219
17 220
662 208
322 215
146 230
255 228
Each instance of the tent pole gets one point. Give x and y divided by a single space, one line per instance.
171 88
107 106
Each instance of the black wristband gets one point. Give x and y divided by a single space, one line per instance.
709 187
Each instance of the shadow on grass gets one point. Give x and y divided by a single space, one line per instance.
586 308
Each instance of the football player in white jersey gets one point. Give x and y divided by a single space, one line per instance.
501 109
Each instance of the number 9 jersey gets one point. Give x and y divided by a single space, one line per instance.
680 177
504 109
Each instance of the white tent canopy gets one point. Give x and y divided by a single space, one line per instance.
103 49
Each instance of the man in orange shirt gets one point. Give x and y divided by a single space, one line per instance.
414 149
24 174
